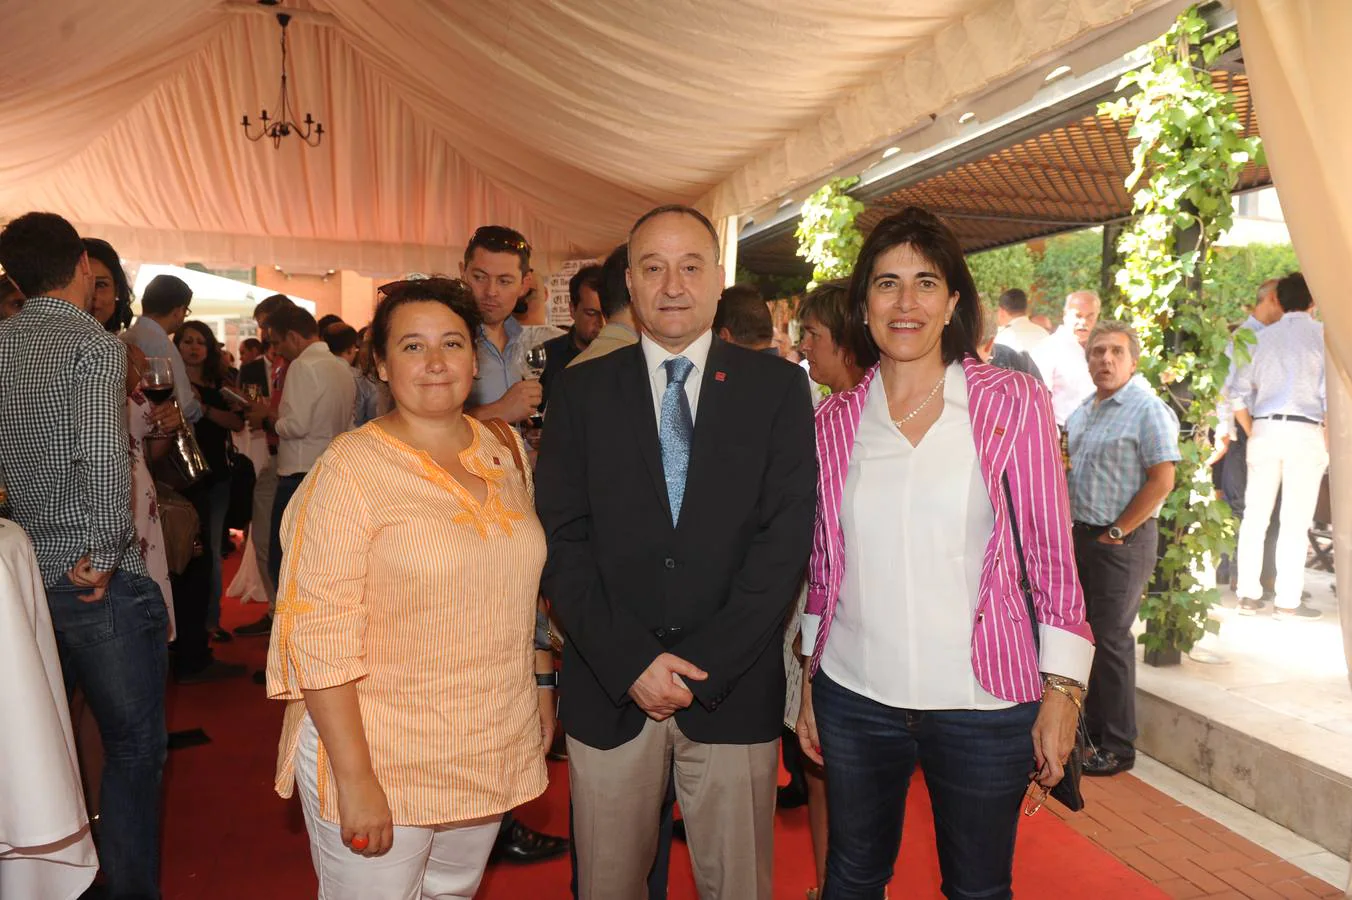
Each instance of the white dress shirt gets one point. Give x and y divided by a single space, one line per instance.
916 522
1065 370
153 340
1286 375
1023 334
656 356
317 406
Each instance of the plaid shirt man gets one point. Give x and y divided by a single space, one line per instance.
1112 444
63 438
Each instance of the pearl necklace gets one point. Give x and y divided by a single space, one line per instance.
923 403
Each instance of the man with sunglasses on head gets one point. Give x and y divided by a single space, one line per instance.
496 263
495 266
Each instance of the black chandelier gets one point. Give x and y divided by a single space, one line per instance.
283 125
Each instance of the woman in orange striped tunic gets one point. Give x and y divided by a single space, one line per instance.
403 641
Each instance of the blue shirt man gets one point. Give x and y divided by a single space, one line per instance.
1280 403
1123 446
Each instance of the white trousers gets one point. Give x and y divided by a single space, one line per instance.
446 862
1289 456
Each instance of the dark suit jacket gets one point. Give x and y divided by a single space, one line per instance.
715 590
559 352
255 372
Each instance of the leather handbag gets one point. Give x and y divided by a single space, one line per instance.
181 527
1067 790
242 480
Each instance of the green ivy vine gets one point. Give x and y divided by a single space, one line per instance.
827 235
1190 149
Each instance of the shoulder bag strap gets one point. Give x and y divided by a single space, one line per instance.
1024 583
503 432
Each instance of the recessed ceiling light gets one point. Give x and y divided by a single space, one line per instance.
966 117
1057 73
891 151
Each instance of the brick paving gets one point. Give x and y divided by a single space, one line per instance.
1187 855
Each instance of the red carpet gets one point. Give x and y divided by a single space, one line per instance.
227 836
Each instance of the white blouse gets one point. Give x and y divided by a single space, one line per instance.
916 522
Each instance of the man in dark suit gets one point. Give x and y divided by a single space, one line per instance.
253 366
584 302
677 486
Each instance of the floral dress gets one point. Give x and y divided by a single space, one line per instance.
145 507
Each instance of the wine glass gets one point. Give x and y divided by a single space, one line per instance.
535 360
157 382
535 363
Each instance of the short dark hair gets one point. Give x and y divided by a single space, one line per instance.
680 210
451 293
329 319
39 252
1014 302
342 339
254 345
1293 293
213 367
828 303
291 319
614 286
164 294
587 276
500 239
936 242
742 311
103 251
270 305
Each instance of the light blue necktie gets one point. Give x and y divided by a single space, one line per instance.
674 430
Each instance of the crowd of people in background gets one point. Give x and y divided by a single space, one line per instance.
454 516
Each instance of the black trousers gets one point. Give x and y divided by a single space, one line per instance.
1234 480
1113 578
191 649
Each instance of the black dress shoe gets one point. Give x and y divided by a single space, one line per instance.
522 845
1105 762
790 796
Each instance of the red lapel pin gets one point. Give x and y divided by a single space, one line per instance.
720 376
999 430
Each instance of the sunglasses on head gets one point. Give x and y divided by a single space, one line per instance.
429 282
500 240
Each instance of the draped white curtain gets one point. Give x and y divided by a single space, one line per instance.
1296 55
563 118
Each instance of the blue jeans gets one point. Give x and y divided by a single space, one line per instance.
286 489
115 651
977 765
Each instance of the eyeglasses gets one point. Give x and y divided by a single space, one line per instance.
1033 799
500 239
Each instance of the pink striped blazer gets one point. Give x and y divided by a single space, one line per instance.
1016 435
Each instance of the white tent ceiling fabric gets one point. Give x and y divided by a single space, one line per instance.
563 118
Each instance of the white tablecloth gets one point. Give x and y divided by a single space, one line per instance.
45 847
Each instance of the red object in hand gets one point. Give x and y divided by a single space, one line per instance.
361 842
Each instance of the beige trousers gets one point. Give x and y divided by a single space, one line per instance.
727 797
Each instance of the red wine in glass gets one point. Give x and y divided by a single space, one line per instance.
157 381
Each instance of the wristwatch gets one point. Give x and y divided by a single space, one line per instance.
550 680
1116 533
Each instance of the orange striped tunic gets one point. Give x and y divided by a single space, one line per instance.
397 579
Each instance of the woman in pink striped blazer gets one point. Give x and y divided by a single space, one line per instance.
922 648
